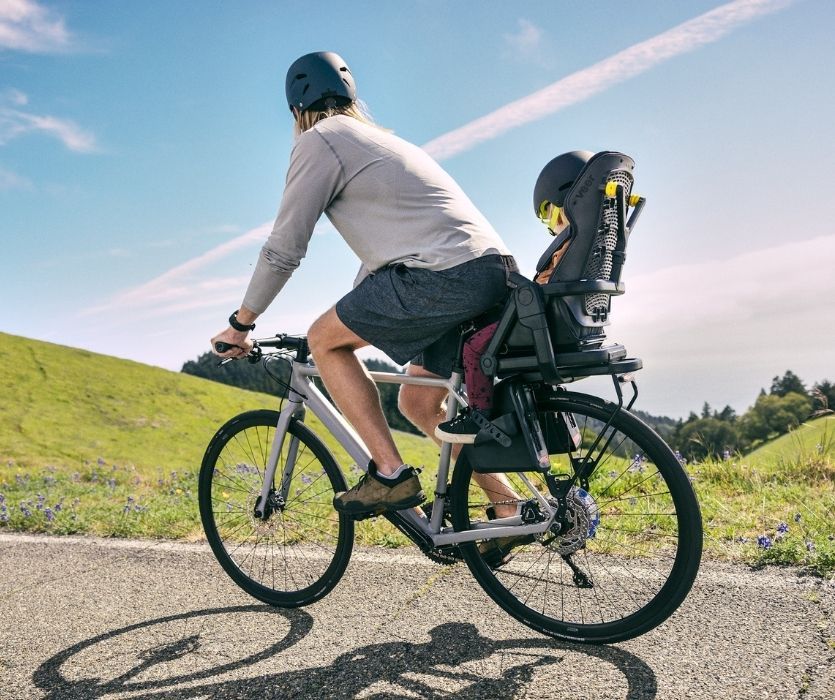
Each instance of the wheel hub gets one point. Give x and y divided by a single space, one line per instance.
582 519
271 519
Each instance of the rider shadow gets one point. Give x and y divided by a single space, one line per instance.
447 660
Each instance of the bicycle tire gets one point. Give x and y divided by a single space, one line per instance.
639 547
305 543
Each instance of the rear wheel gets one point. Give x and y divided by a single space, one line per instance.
299 551
628 548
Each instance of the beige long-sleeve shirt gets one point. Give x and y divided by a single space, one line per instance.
390 201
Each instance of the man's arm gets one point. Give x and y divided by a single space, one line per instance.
314 178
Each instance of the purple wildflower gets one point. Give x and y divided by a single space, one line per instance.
100 461
25 510
58 506
111 483
306 479
2 499
50 516
764 542
782 528
810 546
4 514
726 455
797 517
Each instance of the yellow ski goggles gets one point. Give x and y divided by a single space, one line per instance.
551 220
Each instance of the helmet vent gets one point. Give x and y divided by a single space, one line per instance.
563 188
306 87
300 76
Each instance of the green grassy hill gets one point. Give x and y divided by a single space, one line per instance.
816 436
93 444
78 425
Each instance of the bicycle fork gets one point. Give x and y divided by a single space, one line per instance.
264 504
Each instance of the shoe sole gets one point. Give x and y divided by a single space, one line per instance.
455 439
496 557
380 508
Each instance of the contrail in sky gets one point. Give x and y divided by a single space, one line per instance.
583 84
570 90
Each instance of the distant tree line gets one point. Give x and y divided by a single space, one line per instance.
273 381
717 433
710 433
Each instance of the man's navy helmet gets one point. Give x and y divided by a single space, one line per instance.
319 81
556 179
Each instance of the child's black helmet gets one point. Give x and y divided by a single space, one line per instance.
318 81
557 177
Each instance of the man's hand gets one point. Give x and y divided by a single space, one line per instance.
233 337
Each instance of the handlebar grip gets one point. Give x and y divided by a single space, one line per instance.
221 347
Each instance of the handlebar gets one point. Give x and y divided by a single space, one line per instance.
282 341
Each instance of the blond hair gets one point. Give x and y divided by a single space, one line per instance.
357 110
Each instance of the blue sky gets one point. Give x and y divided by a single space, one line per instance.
143 148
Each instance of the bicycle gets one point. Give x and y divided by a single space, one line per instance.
266 506
607 525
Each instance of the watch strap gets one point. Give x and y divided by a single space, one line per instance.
237 325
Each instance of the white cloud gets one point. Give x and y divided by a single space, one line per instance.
16 97
526 42
583 84
12 181
719 330
27 26
179 288
774 285
15 123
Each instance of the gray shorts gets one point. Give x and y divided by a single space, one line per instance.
414 314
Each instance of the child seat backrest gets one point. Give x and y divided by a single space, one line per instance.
593 250
559 323
595 207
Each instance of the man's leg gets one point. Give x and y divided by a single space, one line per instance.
352 389
424 407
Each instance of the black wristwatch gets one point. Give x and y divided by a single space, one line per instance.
233 321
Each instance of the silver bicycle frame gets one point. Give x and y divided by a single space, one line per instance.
304 393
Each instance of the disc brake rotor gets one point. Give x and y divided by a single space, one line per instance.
582 519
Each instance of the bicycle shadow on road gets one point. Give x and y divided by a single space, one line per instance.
177 656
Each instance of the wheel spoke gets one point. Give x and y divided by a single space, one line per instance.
299 550
596 574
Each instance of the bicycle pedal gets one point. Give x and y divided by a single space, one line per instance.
357 517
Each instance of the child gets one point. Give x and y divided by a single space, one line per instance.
549 198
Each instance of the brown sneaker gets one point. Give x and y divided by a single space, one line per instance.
375 494
496 552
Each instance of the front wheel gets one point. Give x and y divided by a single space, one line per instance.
628 548
297 549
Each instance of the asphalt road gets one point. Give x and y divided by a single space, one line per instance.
84 618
